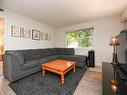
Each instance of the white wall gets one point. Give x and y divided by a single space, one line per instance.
103 30
124 14
14 43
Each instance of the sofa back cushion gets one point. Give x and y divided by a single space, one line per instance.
36 53
53 51
40 53
65 51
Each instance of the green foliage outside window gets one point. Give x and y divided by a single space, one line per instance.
72 37
82 38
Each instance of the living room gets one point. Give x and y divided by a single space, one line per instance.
37 28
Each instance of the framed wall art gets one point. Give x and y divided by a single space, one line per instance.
26 33
15 31
44 36
41 35
49 37
35 34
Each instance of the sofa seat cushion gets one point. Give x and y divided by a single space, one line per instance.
48 58
77 58
80 59
80 64
31 64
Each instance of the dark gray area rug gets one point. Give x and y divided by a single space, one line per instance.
50 85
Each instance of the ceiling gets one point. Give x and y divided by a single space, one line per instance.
59 13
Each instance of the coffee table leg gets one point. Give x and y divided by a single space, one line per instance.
62 79
43 72
74 68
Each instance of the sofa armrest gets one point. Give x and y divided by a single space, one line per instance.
18 56
11 67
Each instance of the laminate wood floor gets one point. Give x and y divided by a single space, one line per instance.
90 84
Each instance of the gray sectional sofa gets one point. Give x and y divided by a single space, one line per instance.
21 63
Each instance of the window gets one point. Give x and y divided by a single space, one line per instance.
80 38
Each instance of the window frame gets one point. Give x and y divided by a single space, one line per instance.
79 47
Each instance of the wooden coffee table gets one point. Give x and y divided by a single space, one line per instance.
60 67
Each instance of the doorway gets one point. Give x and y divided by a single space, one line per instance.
1 45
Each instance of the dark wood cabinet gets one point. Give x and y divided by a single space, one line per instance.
107 76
